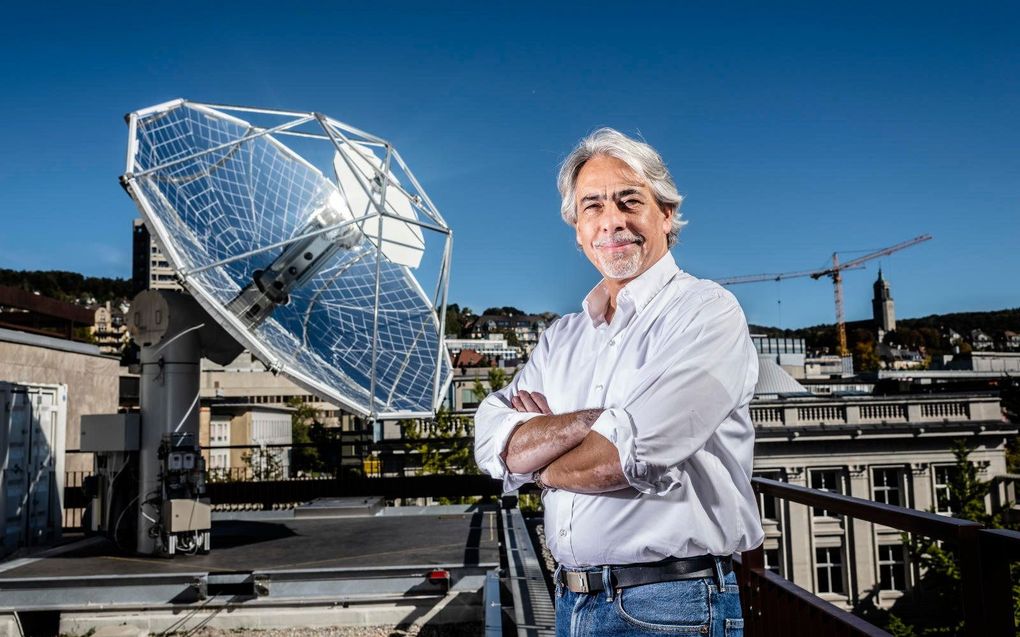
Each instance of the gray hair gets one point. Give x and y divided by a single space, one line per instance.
642 159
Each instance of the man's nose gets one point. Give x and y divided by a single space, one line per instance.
613 218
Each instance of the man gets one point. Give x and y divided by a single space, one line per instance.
633 418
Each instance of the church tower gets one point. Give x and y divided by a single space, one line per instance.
882 307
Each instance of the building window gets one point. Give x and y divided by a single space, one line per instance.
772 561
892 570
886 486
943 496
468 399
767 504
825 480
829 569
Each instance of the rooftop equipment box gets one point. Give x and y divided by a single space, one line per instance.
110 432
187 515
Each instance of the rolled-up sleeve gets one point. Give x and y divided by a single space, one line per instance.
705 370
496 419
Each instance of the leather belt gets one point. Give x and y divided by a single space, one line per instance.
638 574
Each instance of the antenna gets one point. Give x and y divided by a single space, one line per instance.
309 260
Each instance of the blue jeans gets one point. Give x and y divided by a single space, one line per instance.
684 607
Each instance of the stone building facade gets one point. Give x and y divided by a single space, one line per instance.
897 450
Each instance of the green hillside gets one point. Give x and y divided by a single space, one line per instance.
67 286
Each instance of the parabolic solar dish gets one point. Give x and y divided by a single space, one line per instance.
305 257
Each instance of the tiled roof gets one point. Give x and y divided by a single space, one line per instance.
468 358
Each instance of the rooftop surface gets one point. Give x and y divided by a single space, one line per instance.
405 536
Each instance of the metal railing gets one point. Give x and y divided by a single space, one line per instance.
775 606
74 500
272 476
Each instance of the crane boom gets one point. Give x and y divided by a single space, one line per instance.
836 274
777 276
855 263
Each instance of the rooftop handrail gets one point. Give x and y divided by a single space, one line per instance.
984 555
823 614
1003 541
928 524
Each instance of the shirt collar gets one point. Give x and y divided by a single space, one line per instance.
635 294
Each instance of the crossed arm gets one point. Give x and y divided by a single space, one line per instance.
563 448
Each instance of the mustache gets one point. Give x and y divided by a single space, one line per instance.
620 238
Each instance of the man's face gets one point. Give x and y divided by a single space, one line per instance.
620 226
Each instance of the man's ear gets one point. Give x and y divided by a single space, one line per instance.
667 222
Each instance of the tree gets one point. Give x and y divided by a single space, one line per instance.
263 463
506 310
497 380
457 320
304 423
444 445
511 338
905 337
934 605
454 326
1009 396
865 358
67 286
84 334
934 342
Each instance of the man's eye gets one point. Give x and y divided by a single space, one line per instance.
632 203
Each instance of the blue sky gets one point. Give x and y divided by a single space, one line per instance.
792 131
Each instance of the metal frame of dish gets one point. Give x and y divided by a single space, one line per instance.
344 138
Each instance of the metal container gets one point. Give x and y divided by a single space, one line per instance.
33 425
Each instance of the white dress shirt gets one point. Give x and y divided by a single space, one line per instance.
674 371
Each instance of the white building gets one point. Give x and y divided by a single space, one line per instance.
223 427
526 328
246 380
892 449
494 347
110 331
981 341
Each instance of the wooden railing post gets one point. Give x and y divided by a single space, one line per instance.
972 583
998 549
751 563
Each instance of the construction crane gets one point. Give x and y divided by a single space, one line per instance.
835 273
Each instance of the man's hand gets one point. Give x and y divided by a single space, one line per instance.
540 440
530 402
591 467
563 447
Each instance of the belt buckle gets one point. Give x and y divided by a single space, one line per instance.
577 581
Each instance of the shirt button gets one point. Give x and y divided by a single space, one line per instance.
598 387
612 342
563 533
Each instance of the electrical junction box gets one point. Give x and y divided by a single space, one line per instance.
110 432
187 515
